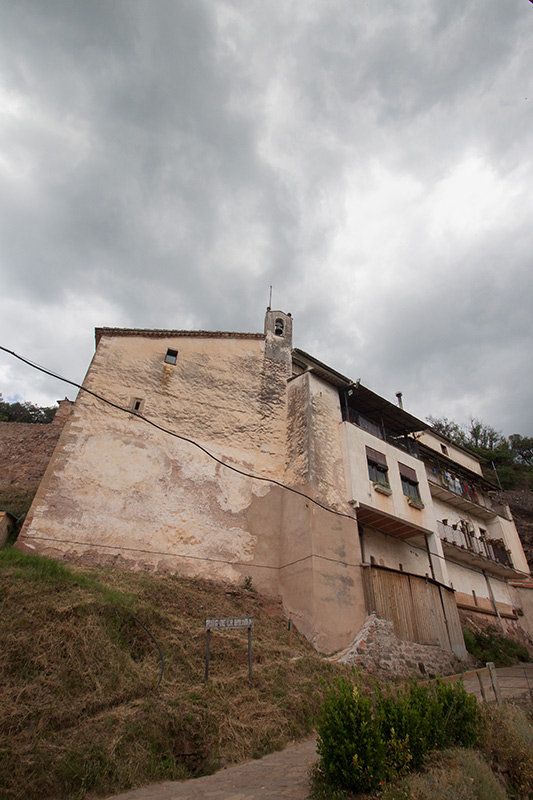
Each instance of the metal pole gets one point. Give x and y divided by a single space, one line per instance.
207 655
250 654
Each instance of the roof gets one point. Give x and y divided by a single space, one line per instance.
366 402
171 334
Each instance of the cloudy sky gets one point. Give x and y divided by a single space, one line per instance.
163 163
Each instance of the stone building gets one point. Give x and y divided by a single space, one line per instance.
233 455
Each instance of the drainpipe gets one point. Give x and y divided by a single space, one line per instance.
493 599
429 557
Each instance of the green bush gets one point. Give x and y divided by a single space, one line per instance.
490 645
350 745
363 741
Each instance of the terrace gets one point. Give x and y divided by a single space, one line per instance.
465 546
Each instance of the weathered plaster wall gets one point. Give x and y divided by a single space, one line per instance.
465 581
121 491
456 453
389 551
320 553
361 488
523 599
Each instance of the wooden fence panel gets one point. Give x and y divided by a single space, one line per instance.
427 615
455 630
420 609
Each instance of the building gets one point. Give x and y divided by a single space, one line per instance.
334 498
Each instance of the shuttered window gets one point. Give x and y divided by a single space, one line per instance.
377 466
409 482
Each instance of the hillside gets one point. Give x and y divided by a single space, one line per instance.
82 713
521 504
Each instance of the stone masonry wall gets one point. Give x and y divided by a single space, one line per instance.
26 448
377 648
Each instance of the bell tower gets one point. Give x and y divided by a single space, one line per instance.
278 333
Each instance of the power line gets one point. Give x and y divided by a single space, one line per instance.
156 425
250 475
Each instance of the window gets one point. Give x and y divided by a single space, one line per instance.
278 327
378 471
409 482
171 356
137 403
444 449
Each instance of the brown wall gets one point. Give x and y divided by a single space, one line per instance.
26 449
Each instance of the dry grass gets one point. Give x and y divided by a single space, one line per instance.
16 499
454 774
508 739
81 714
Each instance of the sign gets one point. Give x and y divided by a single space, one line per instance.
227 623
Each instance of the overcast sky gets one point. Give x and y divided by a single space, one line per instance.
162 163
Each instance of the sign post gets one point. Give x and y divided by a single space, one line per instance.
227 624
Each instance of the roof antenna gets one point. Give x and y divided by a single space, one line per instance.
270 300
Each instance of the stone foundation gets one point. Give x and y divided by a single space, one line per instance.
377 648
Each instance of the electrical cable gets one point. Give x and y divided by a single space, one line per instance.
250 475
179 436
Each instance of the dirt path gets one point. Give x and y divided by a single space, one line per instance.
274 777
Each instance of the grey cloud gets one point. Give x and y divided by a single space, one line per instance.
167 162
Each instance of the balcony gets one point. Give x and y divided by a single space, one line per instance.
399 440
463 495
461 546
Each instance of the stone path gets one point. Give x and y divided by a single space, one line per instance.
274 777
513 682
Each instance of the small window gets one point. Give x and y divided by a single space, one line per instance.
278 327
378 472
409 482
137 404
444 449
171 356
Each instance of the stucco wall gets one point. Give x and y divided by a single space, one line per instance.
455 453
320 580
361 488
119 490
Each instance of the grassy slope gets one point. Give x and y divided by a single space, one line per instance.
80 710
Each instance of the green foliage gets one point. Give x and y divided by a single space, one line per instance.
350 744
364 741
25 412
490 645
522 448
512 457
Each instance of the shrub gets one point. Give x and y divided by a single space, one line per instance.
490 645
349 741
362 741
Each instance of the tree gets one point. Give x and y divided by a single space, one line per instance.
449 429
522 448
511 459
25 412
